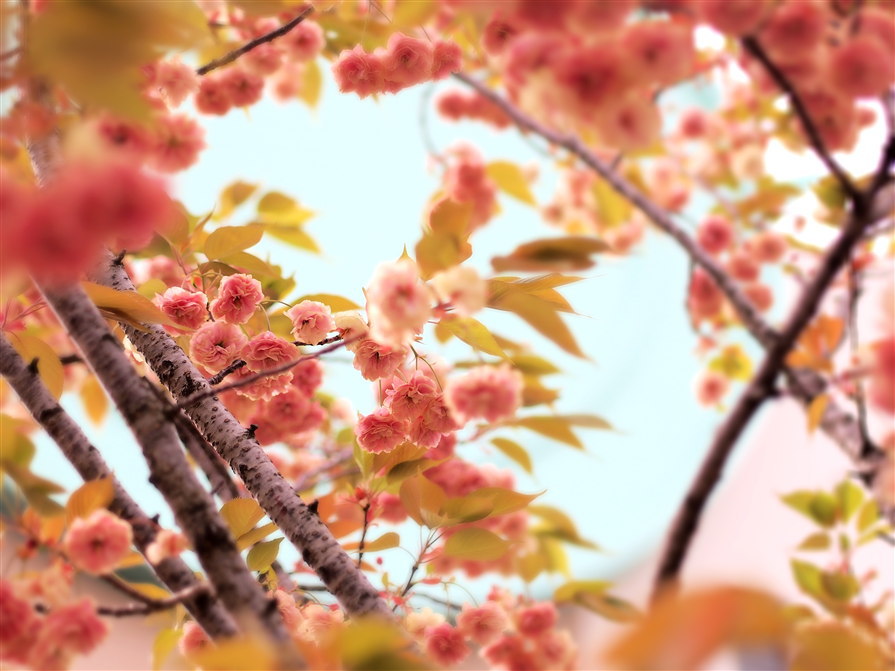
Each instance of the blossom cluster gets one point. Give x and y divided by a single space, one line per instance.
57 232
406 61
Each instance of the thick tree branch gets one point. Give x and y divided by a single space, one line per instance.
249 461
257 42
758 390
89 464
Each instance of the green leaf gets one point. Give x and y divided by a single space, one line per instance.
474 334
228 240
808 577
840 586
163 645
818 506
263 555
87 498
510 179
477 544
850 496
568 591
514 451
241 515
868 516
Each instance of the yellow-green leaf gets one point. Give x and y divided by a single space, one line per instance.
514 451
163 645
335 303
293 235
474 334
234 195
263 555
816 410
125 305
541 315
444 243
386 541
557 428
228 240
251 537
423 500
816 541
311 85
278 208
475 543
556 254
90 496
511 180
732 362
236 654
49 367
241 515
94 399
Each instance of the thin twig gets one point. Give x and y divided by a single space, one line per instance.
752 45
195 398
854 295
337 459
257 42
363 535
145 606
232 368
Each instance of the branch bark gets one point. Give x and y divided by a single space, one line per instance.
88 462
169 470
249 461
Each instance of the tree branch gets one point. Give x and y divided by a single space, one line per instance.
146 607
249 461
173 572
257 42
754 48
758 390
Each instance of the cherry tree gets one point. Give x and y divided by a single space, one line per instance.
114 292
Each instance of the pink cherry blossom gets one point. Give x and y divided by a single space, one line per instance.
380 431
178 141
98 543
409 400
428 429
193 640
535 619
407 60
317 620
715 233
267 351
376 361
187 308
293 412
307 376
705 299
242 87
237 299
446 59
398 303
862 67
74 627
357 71
16 616
176 80
760 295
463 288
216 345
213 97
445 645
167 544
482 624
311 321
491 393
659 51
710 388
767 247
304 42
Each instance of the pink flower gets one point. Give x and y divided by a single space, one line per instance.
714 234
216 345
307 376
767 247
98 543
407 60
428 429
311 321
445 645
294 412
131 139
187 308
862 67
705 299
760 295
710 388
16 616
446 58
317 621
506 652
357 71
734 17
389 508
380 431
592 75
398 303
483 624
243 88
743 267
212 96
176 80
463 288
74 627
491 393
267 351
534 620
629 122
179 139
237 299
556 650
193 640
167 544
409 400
304 42
265 59
794 28
375 361
498 33
659 51
881 389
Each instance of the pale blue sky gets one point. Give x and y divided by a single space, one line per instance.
361 165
